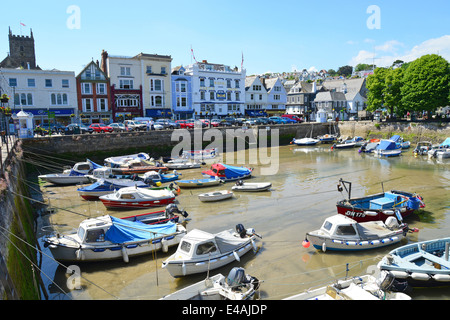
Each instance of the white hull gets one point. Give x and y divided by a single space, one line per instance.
182 166
215 196
62 178
306 142
253 187
197 183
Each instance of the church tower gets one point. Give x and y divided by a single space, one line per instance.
21 52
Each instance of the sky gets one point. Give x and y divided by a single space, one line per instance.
269 36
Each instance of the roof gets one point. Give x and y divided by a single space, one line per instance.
330 96
198 235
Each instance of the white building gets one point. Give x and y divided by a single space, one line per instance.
255 96
276 96
217 89
47 94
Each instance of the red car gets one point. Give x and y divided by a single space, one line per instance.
101 127
185 124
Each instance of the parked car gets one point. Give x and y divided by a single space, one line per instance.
225 123
132 125
230 120
292 117
140 125
167 124
262 120
118 127
185 124
277 120
75 127
101 128
215 122
250 122
197 122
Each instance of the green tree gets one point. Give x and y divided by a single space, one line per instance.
376 84
426 84
392 91
345 71
364 66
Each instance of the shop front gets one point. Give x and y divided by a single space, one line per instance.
44 117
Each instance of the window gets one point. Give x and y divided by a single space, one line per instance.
149 69
126 84
211 95
125 71
251 96
183 87
102 105
87 105
58 99
229 96
97 235
345 230
237 96
23 99
101 88
29 99
185 246
127 100
202 95
86 88
12 82
156 85
236 83
206 248
202 82
228 83
31 83
260 97
183 101
48 83
211 82
65 83
163 70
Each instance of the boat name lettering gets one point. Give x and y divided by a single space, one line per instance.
355 214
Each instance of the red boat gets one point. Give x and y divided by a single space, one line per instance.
133 197
228 173
378 206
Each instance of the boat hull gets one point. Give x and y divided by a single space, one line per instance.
215 196
252 187
64 179
197 183
112 203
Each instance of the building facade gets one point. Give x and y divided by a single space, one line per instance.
276 96
93 95
50 95
217 89
21 52
255 97
181 94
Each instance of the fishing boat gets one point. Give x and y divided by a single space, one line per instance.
349 143
201 251
215 196
115 162
77 174
422 148
388 148
199 183
228 173
236 286
421 264
369 146
305 141
365 287
341 233
133 197
108 238
251 186
378 206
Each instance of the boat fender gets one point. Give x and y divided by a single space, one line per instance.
183 269
441 277
79 254
324 247
371 213
364 243
254 245
399 274
125 255
164 245
236 256
351 243
375 242
420 276
388 212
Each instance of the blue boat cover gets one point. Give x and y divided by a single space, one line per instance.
395 138
123 231
445 143
387 145
235 172
96 166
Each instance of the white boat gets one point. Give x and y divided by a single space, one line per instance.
349 143
183 165
201 251
77 174
236 286
305 141
441 151
365 287
108 238
251 186
388 148
135 197
341 233
199 183
215 195
327 138
119 161
422 148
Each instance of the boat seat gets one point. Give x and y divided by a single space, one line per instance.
381 203
355 292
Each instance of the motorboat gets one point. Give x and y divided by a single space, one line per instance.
170 213
76 175
327 138
201 251
305 141
251 186
369 146
215 195
365 287
401 143
379 206
421 264
138 167
115 162
341 233
441 151
422 148
349 143
108 238
228 173
388 148
198 183
236 286
183 165
133 197
160 177
201 154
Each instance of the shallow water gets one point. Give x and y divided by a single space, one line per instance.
303 194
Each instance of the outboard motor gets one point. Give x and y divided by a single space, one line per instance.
237 278
172 209
388 282
241 230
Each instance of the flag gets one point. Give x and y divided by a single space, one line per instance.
192 51
22 24
242 62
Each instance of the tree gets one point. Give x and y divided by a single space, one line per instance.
345 71
392 91
332 72
376 84
426 84
364 66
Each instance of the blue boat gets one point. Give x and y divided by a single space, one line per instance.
400 142
160 177
198 183
388 148
102 187
421 264
228 173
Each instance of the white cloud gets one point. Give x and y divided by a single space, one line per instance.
312 68
387 53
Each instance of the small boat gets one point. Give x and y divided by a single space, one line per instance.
401 143
198 183
215 195
183 165
369 146
366 287
137 168
378 206
108 238
201 251
327 138
160 177
341 233
236 286
251 186
421 264
170 213
388 148
422 148
305 141
228 173
77 174
441 151
133 197
347 144
201 154
118 161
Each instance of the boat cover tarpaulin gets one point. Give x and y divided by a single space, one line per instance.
387 145
227 242
446 143
229 172
123 231
94 165
395 138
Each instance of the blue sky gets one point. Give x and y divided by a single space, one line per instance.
272 35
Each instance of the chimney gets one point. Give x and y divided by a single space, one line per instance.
104 58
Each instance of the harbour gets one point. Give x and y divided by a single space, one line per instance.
303 194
